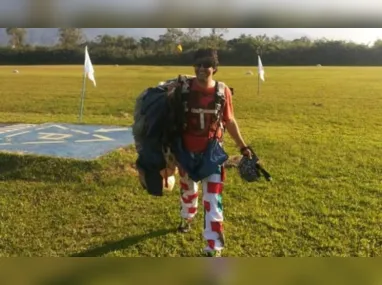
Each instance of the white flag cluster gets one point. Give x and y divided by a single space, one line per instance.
89 70
260 69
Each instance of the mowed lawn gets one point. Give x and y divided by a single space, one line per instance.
317 129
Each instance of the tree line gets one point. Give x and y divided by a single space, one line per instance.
243 50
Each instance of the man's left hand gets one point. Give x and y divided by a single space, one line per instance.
245 151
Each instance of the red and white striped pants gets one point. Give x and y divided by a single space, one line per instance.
212 203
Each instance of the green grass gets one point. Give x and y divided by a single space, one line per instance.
318 130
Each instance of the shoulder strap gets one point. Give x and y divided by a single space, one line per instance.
219 103
179 101
185 83
219 97
220 88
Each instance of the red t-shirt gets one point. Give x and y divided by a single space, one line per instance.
196 143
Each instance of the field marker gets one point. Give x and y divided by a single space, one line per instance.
66 140
80 132
101 138
48 142
53 136
51 126
13 135
111 130
13 128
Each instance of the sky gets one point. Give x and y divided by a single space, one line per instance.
17 10
240 5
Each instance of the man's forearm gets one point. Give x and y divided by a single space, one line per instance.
234 132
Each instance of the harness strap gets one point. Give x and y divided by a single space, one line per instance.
203 111
219 94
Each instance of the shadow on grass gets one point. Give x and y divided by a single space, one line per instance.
43 168
122 244
96 270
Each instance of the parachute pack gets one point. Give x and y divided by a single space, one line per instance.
154 125
149 131
158 121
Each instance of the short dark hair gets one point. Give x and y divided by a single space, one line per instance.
211 54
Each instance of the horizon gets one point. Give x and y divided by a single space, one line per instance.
357 35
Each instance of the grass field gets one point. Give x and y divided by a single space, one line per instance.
318 130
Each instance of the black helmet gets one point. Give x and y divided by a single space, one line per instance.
251 170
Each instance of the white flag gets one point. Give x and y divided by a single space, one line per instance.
260 68
89 70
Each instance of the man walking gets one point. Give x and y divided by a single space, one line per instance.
201 126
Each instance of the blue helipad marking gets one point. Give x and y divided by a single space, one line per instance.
64 140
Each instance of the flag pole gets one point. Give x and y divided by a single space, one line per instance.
258 83
82 98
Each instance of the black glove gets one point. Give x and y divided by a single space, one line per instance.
250 168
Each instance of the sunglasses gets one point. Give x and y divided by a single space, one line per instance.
204 64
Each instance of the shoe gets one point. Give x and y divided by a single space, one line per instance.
184 226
